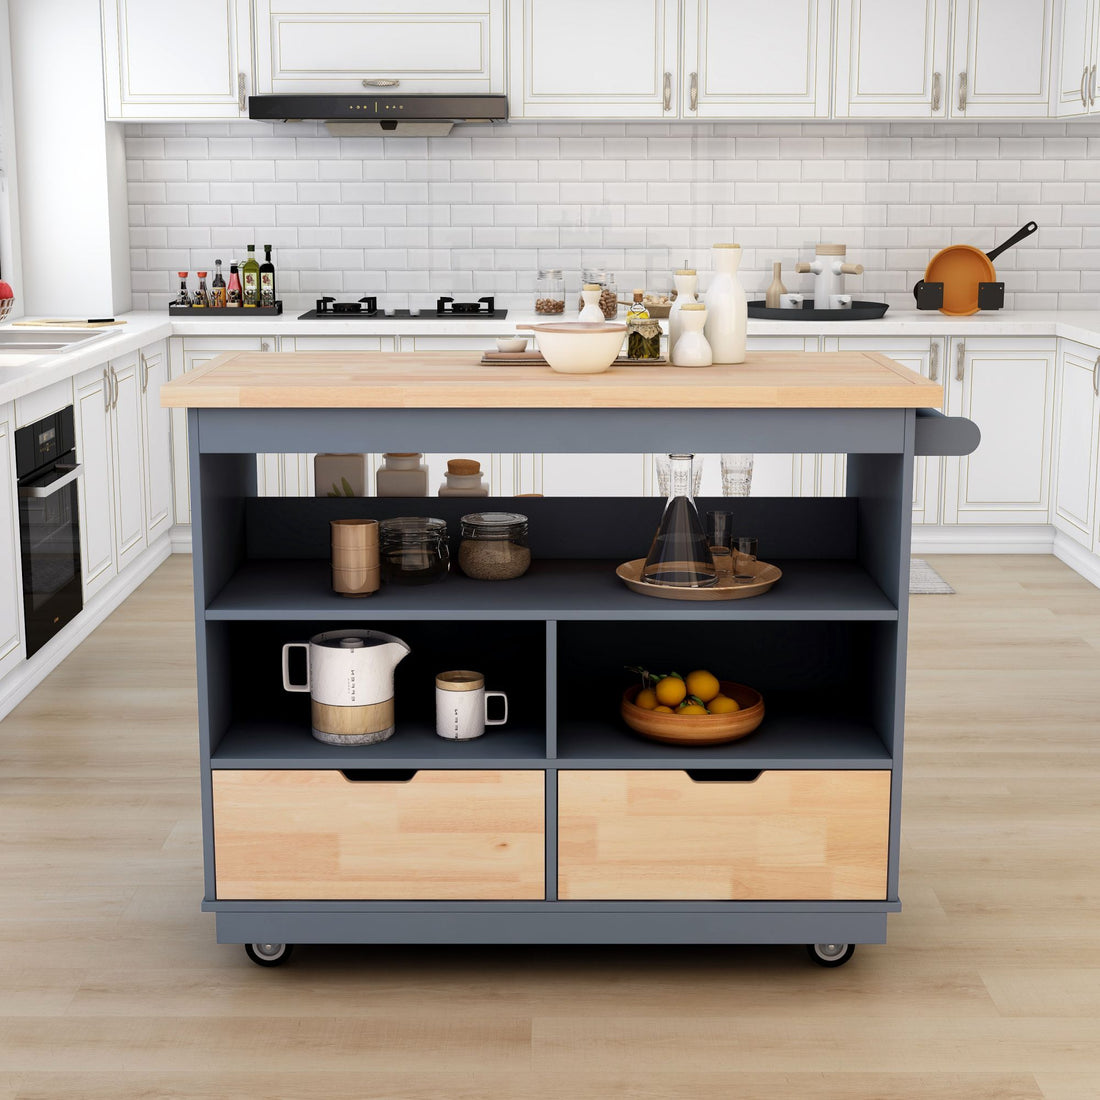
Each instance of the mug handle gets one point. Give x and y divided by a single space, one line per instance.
495 721
287 685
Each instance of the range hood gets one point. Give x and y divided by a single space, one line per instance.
379 113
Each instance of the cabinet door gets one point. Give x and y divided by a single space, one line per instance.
744 58
92 392
576 59
1006 386
156 445
190 60
127 441
12 650
346 45
1075 450
1001 58
1075 54
891 58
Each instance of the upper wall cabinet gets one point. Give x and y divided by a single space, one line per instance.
189 60
578 59
892 58
747 59
1001 56
348 45
1076 46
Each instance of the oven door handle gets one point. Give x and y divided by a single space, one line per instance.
40 492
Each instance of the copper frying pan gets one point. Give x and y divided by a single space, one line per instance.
961 267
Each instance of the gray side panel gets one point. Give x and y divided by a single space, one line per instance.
945 435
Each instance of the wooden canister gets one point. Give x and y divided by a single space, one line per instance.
355 565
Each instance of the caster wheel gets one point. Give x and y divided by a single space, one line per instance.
830 954
269 954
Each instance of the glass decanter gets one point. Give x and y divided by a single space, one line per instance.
680 555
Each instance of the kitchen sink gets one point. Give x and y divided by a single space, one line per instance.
43 341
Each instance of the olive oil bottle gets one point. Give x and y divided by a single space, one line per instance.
250 279
267 279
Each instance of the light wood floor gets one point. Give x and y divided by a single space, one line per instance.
111 984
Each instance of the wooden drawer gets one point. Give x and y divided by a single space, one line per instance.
472 835
790 835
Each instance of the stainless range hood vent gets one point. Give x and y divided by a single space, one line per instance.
379 113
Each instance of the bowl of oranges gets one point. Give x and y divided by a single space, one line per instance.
697 709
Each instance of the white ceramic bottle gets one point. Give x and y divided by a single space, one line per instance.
402 475
687 283
591 298
692 349
463 479
727 307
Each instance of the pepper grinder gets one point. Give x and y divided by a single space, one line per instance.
827 269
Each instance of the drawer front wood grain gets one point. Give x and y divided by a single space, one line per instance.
472 835
660 835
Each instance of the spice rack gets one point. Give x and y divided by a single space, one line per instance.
234 313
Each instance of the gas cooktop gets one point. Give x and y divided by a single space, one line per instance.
366 309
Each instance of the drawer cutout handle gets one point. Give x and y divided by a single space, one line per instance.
378 775
724 775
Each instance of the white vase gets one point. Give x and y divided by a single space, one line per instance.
687 282
591 310
692 349
727 307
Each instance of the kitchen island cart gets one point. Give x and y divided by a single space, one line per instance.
561 826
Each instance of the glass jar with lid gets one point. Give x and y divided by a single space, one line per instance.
550 291
609 298
413 549
493 546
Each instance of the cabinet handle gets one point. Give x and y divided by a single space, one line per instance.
934 364
666 101
960 359
144 371
1096 377
693 97
1092 86
242 86
387 83
379 775
724 775
106 390
114 380
937 90
962 90
264 346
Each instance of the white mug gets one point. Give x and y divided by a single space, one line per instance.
790 301
462 705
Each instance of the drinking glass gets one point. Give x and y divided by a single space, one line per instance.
719 534
736 475
744 559
663 467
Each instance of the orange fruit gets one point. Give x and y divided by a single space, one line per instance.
722 704
702 684
663 710
646 699
691 708
671 691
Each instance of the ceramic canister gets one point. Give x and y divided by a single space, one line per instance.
727 307
355 565
349 676
461 705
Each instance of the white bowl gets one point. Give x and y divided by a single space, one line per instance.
511 343
580 347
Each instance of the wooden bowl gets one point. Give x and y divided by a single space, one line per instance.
696 729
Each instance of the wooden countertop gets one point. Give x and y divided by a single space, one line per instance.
457 380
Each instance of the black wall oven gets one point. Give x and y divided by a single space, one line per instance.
49 525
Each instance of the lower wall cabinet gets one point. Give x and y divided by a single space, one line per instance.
1077 444
12 649
712 835
370 834
156 441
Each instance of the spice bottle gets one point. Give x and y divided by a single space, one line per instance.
403 474
774 294
233 289
250 278
217 287
184 296
202 295
267 279
463 479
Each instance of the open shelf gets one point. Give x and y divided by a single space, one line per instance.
553 589
289 744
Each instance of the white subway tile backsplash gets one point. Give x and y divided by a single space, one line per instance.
484 208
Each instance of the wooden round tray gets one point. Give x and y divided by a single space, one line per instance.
696 729
764 576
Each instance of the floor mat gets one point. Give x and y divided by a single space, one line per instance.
925 581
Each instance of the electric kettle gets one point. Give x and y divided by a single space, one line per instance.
349 675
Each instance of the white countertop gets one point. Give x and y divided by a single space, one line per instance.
144 328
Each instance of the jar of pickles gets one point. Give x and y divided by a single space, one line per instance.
413 549
609 293
550 291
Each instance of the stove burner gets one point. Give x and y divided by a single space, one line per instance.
367 306
482 305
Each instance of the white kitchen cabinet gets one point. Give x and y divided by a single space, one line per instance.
743 58
12 649
1006 386
578 59
93 392
188 60
1076 48
1001 58
925 355
892 59
1077 442
128 467
156 441
408 46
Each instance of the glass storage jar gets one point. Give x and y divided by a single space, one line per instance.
413 549
550 291
493 546
609 298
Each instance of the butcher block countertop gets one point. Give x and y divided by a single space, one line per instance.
457 380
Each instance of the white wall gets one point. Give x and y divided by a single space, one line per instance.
482 209
10 250
64 166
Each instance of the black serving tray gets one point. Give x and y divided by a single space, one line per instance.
234 312
860 311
